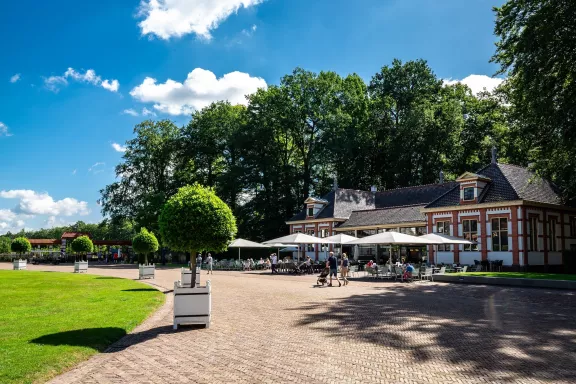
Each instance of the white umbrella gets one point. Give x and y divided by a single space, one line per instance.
299 238
278 246
340 238
288 249
446 239
241 243
393 238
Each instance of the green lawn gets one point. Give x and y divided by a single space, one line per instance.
522 275
50 321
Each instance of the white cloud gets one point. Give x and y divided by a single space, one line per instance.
111 86
147 112
15 78
4 130
95 166
130 112
176 18
41 203
119 148
249 32
7 215
478 83
200 88
54 83
20 223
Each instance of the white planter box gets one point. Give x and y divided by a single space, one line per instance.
146 271
186 277
80 266
19 265
192 305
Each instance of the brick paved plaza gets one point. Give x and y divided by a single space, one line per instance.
277 329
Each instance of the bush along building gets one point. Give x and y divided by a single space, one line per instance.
513 214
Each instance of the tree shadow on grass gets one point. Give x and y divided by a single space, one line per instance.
108 278
507 333
108 340
140 290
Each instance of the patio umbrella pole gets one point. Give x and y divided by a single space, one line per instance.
238 253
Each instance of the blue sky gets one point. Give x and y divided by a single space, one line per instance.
75 77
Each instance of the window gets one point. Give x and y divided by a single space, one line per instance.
533 234
552 234
310 211
470 229
573 226
310 247
469 193
500 234
443 227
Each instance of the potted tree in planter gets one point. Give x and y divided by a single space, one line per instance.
81 245
193 220
144 244
20 245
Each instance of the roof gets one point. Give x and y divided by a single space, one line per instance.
341 203
420 194
384 216
44 241
73 235
508 182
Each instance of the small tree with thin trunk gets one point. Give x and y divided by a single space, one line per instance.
20 245
195 220
144 243
82 245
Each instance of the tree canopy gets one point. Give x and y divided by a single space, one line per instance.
144 243
537 51
195 219
20 245
5 244
82 244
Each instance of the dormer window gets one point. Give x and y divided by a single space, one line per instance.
310 210
468 193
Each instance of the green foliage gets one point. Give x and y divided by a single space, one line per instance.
20 245
195 219
144 243
64 319
82 244
536 51
5 243
291 139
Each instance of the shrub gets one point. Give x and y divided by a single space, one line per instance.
194 220
20 245
82 245
143 244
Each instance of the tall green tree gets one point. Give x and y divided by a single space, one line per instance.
537 51
5 244
146 175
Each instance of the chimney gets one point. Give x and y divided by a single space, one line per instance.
335 186
494 155
441 177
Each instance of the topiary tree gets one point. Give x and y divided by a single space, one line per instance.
20 245
144 243
82 245
194 220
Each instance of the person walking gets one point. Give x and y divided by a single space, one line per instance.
332 263
209 262
273 262
344 268
199 261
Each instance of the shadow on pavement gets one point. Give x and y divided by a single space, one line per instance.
507 333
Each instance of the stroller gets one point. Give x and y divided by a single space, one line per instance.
322 277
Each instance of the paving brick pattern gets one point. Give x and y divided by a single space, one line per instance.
280 329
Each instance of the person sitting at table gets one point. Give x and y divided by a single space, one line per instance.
408 272
370 264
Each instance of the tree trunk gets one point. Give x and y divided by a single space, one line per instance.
193 268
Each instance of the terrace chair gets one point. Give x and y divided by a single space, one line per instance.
353 270
427 274
371 271
398 271
442 271
384 273
464 269
478 268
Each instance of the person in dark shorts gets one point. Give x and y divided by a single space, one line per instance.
332 263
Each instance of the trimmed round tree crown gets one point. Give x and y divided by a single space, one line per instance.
82 244
20 245
145 242
195 219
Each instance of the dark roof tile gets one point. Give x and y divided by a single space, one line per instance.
383 216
